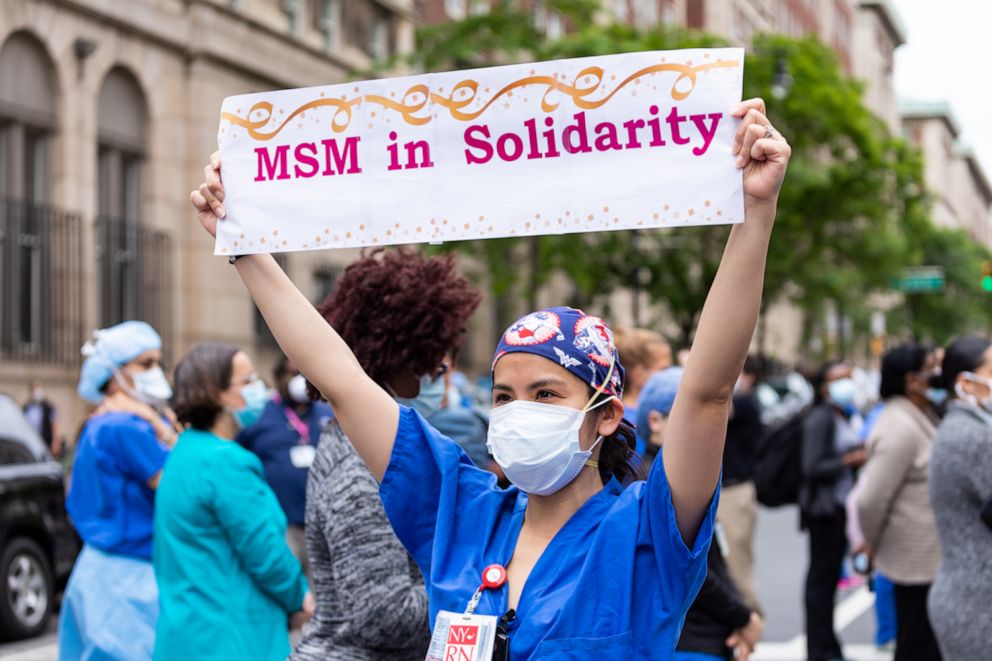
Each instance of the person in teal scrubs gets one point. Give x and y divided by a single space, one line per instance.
229 585
599 564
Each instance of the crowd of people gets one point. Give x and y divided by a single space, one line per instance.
362 497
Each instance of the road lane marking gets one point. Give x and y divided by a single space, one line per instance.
846 613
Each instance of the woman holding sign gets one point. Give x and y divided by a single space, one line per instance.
593 569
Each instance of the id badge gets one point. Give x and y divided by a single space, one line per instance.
302 455
462 637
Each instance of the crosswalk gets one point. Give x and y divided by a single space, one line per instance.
845 614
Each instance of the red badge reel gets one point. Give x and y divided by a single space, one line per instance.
493 578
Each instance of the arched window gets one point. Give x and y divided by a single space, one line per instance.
122 119
27 124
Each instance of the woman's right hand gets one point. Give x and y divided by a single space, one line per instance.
208 199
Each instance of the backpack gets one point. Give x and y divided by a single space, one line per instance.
777 468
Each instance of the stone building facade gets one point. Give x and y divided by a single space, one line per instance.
962 194
108 111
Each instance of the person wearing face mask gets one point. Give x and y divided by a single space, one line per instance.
720 624
404 315
285 437
596 563
464 424
228 581
111 601
893 504
961 496
829 455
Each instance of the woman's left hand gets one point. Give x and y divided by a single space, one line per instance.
761 152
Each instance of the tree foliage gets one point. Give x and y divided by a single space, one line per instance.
853 213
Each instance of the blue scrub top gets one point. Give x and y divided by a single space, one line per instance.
271 438
109 499
615 582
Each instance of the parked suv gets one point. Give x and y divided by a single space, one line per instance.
38 544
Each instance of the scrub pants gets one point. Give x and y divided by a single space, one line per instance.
885 610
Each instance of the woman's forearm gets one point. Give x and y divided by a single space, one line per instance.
730 314
296 325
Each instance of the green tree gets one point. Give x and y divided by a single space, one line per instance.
852 214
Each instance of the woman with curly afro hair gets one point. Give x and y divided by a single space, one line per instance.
598 565
402 314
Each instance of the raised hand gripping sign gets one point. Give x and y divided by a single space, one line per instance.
637 140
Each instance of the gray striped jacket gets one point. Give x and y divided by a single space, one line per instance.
371 601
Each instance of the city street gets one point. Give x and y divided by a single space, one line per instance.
781 556
265 266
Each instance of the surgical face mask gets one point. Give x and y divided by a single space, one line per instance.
986 403
937 396
842 392
297 389
150 386
428 400
255 395
537 445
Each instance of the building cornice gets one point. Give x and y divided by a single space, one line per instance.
890 19
938 110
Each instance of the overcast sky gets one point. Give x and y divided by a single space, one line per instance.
947 58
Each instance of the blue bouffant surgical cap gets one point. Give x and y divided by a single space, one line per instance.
109 349
658 394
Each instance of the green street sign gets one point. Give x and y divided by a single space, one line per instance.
921 280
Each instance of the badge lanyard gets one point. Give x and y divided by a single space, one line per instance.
295 422
466 635
493 578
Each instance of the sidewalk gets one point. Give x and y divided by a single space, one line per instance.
36 649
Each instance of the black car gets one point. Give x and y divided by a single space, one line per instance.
38 544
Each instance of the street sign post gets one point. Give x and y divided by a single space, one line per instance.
922 279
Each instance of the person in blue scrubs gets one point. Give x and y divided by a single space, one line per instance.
111 601
600 564
719 625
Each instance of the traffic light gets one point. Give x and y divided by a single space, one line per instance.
987 275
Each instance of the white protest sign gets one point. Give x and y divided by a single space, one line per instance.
637 140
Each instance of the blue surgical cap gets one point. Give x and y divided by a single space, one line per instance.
658 394
109 349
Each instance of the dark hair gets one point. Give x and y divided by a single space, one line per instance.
280 367
200 377
821 377
896 364
617 454
965 354
401 312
